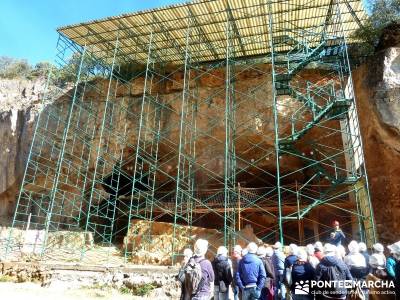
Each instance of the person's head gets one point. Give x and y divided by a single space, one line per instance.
277 246
378 248
244 251
301 255
261 251
362 246
237 250
353 247
336 224
293 248
310 250
329 250
318 246
252 248
222 251
395 250
187 254
269 251
200 247
377 261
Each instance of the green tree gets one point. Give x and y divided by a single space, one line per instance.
381 14
13 68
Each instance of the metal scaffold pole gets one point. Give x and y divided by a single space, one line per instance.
276 123
230 161
230 121
184 192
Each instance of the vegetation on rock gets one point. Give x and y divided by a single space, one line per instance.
382 13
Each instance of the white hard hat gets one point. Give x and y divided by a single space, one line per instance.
261 251
353 247
187 253
377 261
310 249
318 245
269 251
395 248
329 249
200 247
222 251
237 249
362 246
302 254
293 248
252 247
378 247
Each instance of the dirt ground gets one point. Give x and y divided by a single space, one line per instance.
32 291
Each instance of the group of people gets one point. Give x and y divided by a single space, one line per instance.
277 272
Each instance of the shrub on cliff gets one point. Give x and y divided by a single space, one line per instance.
12 68
382 13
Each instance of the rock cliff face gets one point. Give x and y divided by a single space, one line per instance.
377 87
19 104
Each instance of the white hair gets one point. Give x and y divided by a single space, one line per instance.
245 251
200 247
252 247
222 251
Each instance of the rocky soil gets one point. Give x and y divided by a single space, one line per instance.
74 281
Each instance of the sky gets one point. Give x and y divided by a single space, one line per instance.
28 27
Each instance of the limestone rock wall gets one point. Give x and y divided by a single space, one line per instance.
19 103
377 87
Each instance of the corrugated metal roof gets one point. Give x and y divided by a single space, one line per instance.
203 24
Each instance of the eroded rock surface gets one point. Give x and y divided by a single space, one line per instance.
377 87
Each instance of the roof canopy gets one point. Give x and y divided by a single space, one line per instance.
202 25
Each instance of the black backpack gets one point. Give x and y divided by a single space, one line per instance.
193 276
334 273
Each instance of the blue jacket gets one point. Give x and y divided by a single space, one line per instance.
322 274
278 260
250 271
289 261
302 271
397 278
329 261
338 238
390 266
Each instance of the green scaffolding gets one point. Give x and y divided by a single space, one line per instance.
101 162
